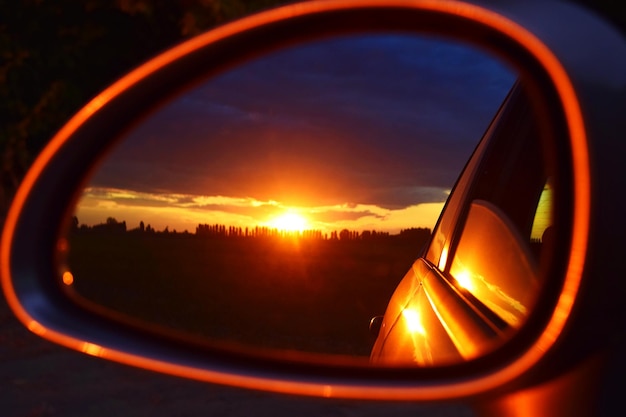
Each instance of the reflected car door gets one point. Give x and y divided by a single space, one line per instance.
479 276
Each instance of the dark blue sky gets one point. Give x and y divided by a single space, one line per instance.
380 120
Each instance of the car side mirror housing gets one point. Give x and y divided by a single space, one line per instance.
573 128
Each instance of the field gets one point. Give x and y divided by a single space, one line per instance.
287 293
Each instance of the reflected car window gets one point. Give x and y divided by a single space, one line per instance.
496 260
439 247
481 276
495 264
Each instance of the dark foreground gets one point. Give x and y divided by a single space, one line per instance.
272 292
40 379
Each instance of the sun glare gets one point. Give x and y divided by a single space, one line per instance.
289 222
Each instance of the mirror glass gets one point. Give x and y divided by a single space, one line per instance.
276 207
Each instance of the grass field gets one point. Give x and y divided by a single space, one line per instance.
310 295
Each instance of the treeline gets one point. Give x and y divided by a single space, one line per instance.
218 230
112 225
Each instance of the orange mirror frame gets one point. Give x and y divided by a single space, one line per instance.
30 237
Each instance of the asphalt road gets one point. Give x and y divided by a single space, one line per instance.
38 378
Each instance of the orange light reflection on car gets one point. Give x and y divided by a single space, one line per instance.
464 279
495 298
469 333
418 340
443 259
504 277
413 321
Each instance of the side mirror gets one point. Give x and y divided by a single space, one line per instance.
283 218
41 289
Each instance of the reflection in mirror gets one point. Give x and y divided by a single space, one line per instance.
278 206
481 275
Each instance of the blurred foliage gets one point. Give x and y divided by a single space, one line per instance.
57 54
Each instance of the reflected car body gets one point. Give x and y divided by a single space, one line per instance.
479 277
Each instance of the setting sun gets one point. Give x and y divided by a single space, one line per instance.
289 222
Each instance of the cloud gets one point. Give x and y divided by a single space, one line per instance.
382 120
335 216
185 212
